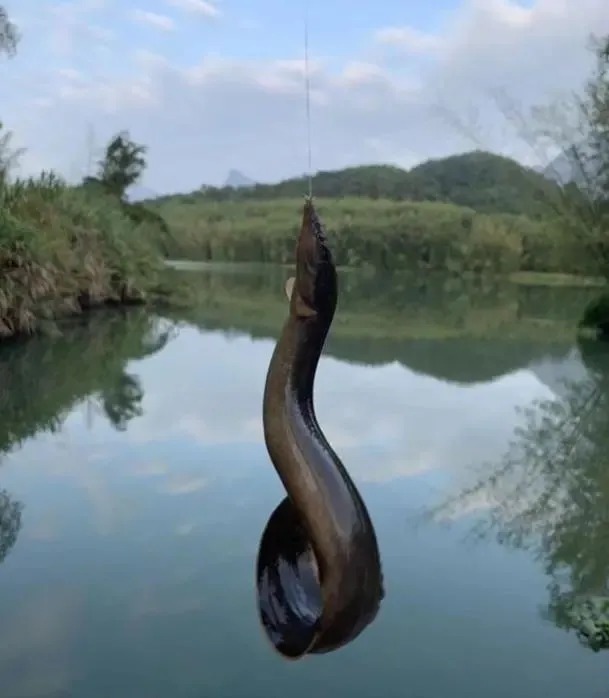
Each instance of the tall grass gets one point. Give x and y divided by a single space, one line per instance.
381 233
65 249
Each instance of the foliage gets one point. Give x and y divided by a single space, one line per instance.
381 233
123 164
9 35
488 183
65 249
480 180
579 127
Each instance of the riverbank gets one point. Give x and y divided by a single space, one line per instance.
427 236
65 250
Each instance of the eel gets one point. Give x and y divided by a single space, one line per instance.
319 577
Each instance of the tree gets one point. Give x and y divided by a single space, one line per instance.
9 35
123 164
579 128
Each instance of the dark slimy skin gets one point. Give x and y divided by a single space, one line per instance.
319 577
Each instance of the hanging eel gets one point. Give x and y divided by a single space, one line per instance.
319 578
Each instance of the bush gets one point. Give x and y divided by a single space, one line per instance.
64 249
381 233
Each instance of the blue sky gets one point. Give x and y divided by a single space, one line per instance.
274 28
211 86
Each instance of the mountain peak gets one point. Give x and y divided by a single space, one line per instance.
238 180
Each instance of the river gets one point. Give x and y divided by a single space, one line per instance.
135 486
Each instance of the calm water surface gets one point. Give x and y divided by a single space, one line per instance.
136 486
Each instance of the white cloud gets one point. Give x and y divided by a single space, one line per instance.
183 484
71 25
203 116
153 19
391 431
409 40
148 59
198 7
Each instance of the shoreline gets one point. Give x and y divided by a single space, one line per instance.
167 293
519 278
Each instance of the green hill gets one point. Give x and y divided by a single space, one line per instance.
480 180
486 182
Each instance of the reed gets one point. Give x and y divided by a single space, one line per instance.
68 249
381 233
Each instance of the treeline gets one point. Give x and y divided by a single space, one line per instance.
484 181
381 233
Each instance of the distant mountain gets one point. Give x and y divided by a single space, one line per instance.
137 193
481 180
238 180
567 168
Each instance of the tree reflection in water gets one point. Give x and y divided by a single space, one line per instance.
550 495
43 380
10 523
121 398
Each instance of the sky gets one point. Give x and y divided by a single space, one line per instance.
212 85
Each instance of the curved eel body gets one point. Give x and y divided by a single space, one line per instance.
318 570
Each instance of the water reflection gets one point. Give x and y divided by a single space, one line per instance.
10 523
43 379
550 495
137 543
455 330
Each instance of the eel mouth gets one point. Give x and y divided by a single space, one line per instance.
314 264
312 246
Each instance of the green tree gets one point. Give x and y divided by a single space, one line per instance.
484 181
579 128
9 35
589 153
123 164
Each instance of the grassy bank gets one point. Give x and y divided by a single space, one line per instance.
381 233
68 249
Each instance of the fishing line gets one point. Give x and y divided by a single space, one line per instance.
308 96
